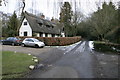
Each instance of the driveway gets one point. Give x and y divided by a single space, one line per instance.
27 50
74 61
78 61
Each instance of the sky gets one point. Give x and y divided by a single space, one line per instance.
50 8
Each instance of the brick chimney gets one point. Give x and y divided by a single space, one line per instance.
42 16
52 19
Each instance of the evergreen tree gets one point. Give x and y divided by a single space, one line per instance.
13 25
104 21
65 17
119 13
0 28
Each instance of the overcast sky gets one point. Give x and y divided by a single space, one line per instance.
50 8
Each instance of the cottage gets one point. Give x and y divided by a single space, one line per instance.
35 26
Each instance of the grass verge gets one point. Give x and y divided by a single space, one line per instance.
15 65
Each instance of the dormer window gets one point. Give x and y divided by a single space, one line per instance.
40 24
25 23
48 26
52 26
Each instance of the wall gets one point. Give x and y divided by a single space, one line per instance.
25 28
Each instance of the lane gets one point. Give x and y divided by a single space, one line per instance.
27 50
108 64
50 70
75 61
79 62
81 59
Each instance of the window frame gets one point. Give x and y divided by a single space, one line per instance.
25 23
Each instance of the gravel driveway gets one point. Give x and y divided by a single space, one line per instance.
46 55
76 61
28 50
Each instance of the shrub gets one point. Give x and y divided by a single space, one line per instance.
106 47
57 41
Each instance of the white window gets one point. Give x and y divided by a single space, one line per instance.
25 23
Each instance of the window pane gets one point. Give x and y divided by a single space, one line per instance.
25 23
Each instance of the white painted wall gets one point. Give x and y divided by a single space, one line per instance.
56 35
38 35
49 35
25 28
63 34
43 35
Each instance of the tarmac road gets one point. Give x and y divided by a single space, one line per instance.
76 61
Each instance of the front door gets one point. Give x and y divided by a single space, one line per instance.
25 33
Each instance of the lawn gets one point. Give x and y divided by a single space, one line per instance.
15 65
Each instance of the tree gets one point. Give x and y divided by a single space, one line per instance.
119 13
3 1
23 6
65 17
13 25
76 19
0 2
0 28
104 21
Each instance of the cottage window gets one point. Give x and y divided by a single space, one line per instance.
63 29
40 24
46 35
40 34
48 26
52 26
25 23
53 35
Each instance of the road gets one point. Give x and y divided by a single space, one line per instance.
74 61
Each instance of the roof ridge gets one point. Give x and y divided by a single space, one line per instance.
32 15
35 21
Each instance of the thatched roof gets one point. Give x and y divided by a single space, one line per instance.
46 27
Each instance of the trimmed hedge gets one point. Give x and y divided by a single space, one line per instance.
106 47
56 41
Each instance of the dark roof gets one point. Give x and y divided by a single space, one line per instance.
47 26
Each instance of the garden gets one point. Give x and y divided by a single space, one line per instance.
15 65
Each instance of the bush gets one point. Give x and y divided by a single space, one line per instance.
57 41
106 47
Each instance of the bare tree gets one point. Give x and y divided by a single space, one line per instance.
5 2
0 27
77 17
23 5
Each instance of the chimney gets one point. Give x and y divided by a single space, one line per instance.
42 16
52 19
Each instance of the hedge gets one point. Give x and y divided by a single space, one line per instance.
106 47
56 41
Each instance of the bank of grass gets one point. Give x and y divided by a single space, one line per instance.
15 65
106 46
